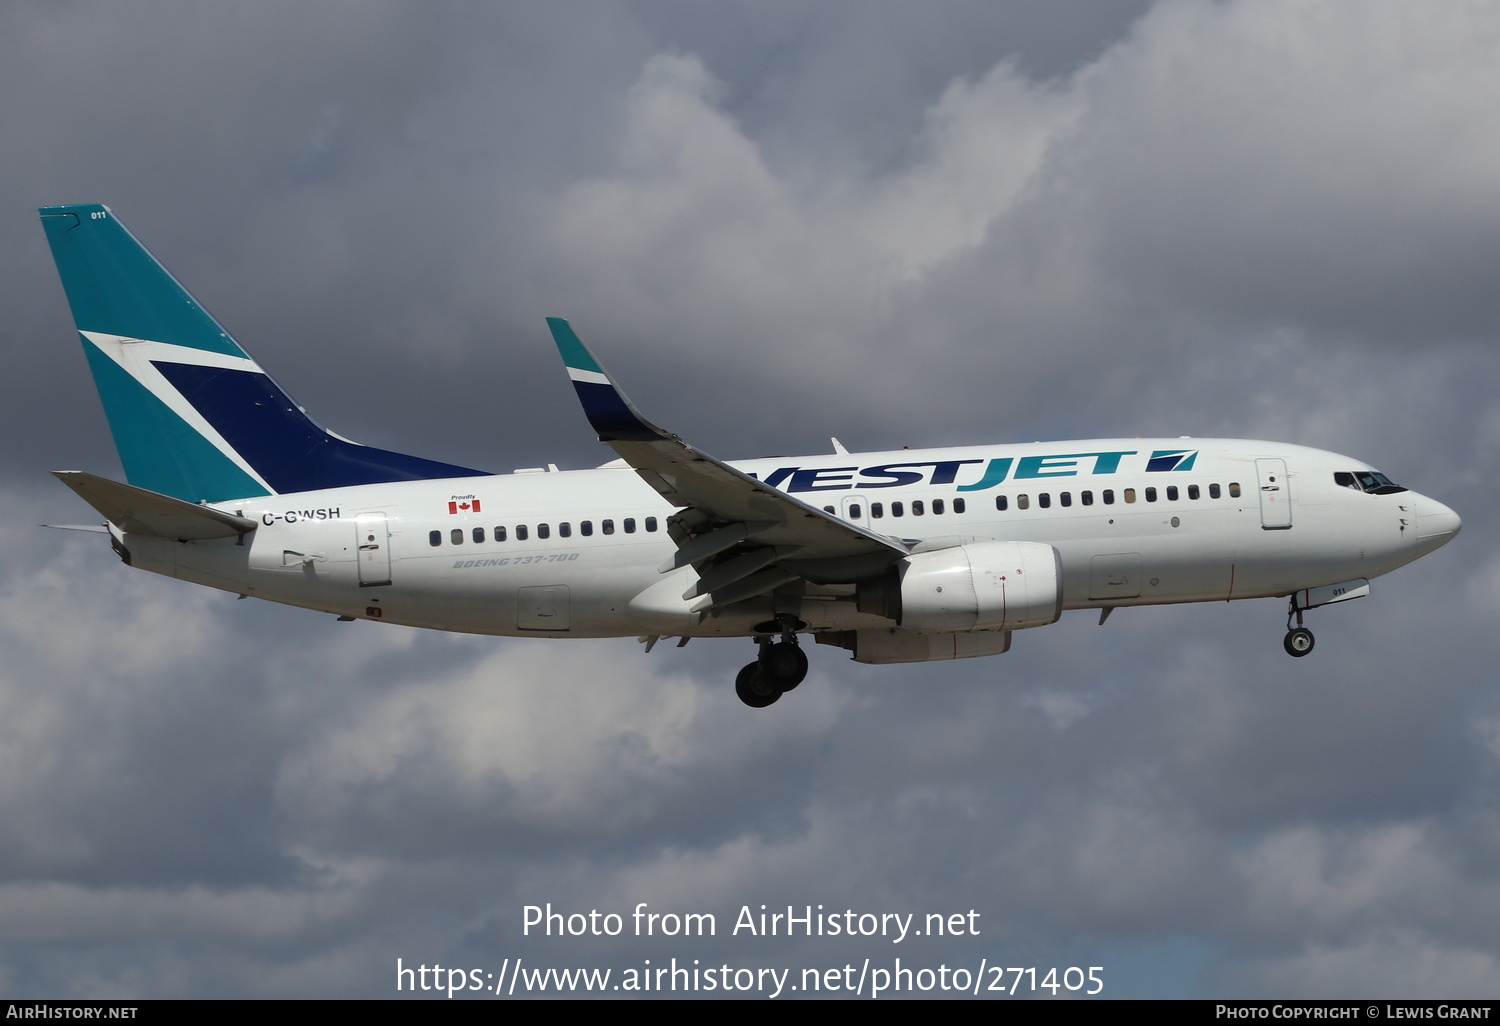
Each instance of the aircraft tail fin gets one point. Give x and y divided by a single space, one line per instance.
193 416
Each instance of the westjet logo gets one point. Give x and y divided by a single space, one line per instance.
1171 459
987 473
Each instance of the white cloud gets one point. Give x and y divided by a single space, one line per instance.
540 738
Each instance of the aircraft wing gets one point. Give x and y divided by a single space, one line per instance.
770 537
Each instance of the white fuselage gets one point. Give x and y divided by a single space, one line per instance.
581 550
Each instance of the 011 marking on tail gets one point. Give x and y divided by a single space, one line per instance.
903 556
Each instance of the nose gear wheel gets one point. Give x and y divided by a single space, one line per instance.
1299 640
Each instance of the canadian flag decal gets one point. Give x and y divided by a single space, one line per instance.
463 504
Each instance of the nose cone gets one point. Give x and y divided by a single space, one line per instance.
1437 525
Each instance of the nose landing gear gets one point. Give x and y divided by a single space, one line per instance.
779 668
1299 640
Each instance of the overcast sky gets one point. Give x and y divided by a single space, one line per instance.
897 223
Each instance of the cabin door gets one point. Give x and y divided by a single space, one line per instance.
1275 495
373 544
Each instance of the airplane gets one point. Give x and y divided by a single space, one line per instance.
896 557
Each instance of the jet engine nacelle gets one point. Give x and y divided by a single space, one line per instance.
980 586
891 645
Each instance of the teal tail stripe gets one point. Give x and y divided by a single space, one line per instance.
116 287
575 355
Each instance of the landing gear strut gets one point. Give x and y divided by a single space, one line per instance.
780 667
1299 640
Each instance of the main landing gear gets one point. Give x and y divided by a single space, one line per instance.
780 667
1299 640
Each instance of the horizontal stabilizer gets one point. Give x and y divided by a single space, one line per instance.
139 510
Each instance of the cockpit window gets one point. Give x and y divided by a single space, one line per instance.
1371 481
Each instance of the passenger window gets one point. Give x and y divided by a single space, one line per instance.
499 534
829 510
478 535
543 531
897 509
1172 493
877 510
916 508
937 507
1234 489
520 532
630 525
1192 491
650 523
1066 498
958 505
1213 491
435 538
1001 502
1150 494
1109 496
586 528
565 530
1087 498
458 536
608 527
1044 500
1023 501
855 511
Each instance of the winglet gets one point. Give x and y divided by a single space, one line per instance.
734 506
612 415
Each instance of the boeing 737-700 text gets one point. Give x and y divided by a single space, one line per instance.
903 556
